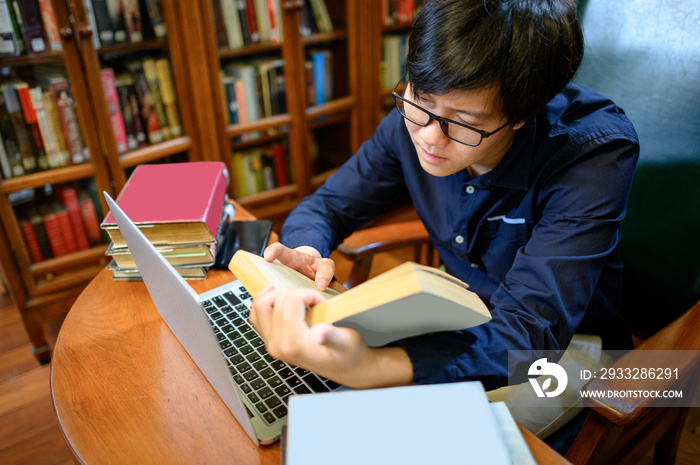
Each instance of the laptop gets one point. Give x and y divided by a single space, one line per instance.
213 328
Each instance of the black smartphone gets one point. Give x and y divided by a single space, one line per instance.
251 236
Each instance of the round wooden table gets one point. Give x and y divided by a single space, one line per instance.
125 391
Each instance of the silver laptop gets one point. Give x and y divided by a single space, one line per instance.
214 330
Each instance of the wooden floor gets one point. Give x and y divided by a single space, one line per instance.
29 431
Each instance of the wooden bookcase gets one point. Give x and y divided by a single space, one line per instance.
318 138
44 290
334 130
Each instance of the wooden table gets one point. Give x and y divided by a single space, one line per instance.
125 390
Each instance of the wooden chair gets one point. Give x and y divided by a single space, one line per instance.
645 56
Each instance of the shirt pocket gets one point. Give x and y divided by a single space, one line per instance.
499 240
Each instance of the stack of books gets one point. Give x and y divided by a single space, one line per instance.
180 208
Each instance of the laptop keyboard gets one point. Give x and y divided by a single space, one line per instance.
266 381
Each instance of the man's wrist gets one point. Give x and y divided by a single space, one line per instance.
384 367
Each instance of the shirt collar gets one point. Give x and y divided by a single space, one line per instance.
514 169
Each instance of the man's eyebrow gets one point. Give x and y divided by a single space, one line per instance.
478 115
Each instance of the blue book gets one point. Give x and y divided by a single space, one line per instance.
320 62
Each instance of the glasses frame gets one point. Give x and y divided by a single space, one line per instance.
442 122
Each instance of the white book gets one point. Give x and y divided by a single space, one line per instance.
440 423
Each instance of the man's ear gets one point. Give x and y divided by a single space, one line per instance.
518 126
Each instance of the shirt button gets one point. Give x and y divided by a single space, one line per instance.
474 265
459 239
470 190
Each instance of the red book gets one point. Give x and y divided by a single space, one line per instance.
30 239
90 218
115 111
279 162
69 118
53 231
176 203
252 21
32 122
69 198
66 229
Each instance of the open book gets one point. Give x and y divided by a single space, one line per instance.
406 301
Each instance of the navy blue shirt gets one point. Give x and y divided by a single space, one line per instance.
536 238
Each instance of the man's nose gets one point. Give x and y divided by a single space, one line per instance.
432 134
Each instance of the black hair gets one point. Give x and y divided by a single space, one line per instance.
530 49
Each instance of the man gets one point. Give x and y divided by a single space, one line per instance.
520 178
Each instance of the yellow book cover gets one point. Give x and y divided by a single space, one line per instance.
405 301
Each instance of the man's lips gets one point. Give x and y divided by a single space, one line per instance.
430 158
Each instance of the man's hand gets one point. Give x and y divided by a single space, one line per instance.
337 353
304 259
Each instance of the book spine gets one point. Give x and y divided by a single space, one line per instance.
146 103
237 168
116 17
17 24
12 152
265 89
308 19
50 145
275 36
90 218
69 198
115 112
279 157
32 29
319 72
135 134
62 154
242 6
37 223
92 20
65 227
261 18
228 96
30 240
167 89
149 71
4 160
155 16
103 21
132 19
29 161
232 22
9 42
252 21
69 119
216 201
221 35
53 233
50 26
32 123
268 171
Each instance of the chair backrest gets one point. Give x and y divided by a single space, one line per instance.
645 56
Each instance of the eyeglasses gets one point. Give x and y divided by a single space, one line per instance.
458 132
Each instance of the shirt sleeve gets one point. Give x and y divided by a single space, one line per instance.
553 279
360 189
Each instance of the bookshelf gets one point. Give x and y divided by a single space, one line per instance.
317 134
46 273
315 131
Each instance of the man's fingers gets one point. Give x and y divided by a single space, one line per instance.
273 251
324 273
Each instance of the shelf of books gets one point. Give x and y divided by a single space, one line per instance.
135 69
50 167
285 96
396 19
